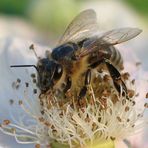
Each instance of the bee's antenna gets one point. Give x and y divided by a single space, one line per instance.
25 66
31 47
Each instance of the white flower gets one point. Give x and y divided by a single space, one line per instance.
104 116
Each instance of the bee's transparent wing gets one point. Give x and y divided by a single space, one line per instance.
120 35
82 26
112 37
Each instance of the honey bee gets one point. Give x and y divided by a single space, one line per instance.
80 50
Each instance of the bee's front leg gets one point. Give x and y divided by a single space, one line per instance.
87 82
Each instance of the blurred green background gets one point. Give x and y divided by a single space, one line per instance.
140 6
43 21
47 15
14 7
52 16
19 7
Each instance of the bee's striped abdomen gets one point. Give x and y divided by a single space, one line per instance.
116 57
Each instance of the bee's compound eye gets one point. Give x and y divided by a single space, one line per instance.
58 72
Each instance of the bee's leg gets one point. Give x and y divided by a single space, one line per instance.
87 82
116 76
68 84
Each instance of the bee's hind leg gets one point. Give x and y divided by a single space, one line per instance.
83 91
118 82
116 76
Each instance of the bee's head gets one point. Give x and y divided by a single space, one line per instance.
49 72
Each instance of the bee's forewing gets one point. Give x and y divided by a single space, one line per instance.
108 38
82 26
118 36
